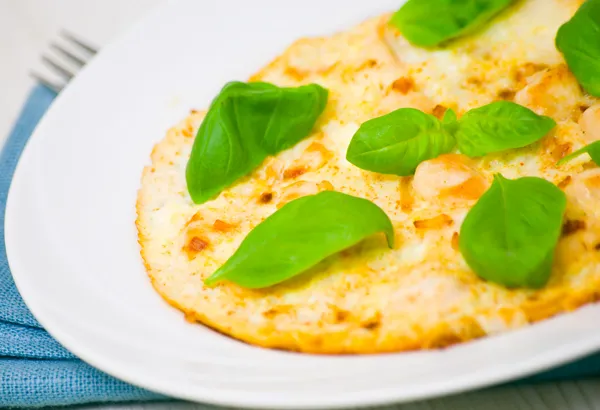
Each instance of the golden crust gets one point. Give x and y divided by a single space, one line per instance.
421 295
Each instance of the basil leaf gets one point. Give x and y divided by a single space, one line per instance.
246 123
500 126
428 23
301 234
592 149
399 141
509 236
579 42
450 121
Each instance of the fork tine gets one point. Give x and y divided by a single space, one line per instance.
53 86
87 47
59 69
55 63
68 54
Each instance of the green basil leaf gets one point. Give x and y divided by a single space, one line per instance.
301 234
592 149
579 42
399 141
450 121
246 123
428 23
500 126
509 236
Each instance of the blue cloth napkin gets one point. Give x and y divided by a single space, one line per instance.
37 371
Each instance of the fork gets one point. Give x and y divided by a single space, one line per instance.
65 60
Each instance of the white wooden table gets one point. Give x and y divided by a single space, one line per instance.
26 28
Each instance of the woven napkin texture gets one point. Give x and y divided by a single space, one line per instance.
35 370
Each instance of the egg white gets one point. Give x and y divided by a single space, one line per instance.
370 299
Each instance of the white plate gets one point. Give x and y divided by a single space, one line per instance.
72 245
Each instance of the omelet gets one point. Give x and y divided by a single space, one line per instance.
368 298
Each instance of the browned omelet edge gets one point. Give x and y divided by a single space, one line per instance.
444 335
549 304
